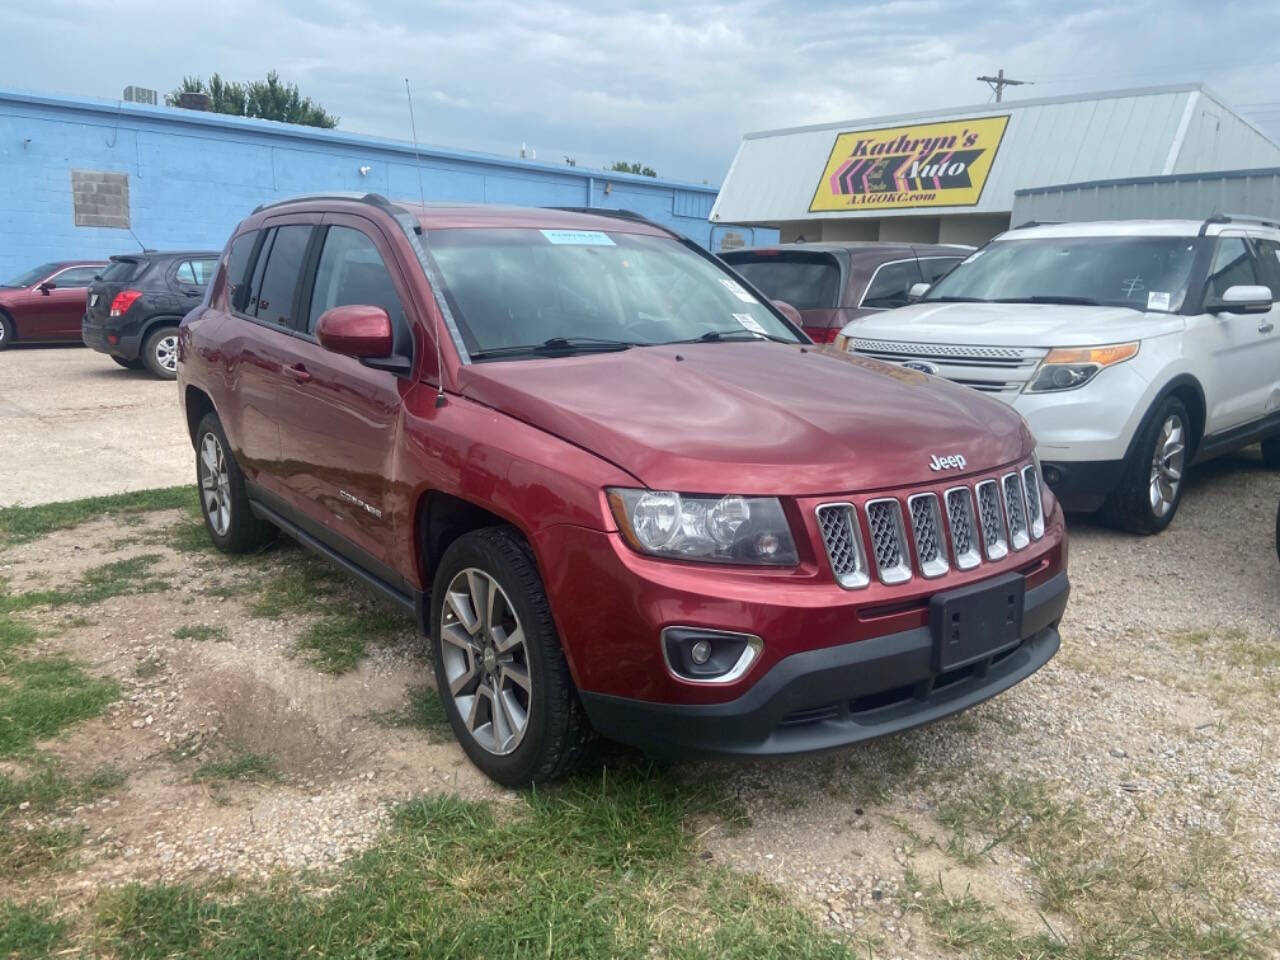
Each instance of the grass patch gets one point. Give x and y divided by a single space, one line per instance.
424 711
22 524
599 867
29 933
200 632
240 766
307 585
1119 899
41 697
148 668
337 643
96 584
24 850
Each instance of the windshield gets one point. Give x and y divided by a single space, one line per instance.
1145 273
32 275
119 271
578 290
807 281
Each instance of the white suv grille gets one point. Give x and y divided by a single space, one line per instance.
982 522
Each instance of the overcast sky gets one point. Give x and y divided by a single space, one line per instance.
672 85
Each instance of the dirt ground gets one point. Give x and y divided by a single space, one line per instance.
1156 723
74 424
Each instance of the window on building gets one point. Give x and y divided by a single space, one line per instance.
891 284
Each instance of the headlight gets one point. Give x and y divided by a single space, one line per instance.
1066 369
718 529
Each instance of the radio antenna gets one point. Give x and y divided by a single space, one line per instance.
422 198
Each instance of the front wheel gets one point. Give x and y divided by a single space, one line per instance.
1150 489
6 332
160 352
498 663
224 502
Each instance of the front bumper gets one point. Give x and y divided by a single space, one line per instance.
833 696
1082 486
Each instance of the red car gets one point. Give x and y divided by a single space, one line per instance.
619 490
46 302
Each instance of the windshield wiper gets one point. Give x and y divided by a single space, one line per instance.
731 336
1069 301
555 346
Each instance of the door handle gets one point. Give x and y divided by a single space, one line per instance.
1266 327
300 373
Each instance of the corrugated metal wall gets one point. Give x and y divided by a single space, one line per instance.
1190 196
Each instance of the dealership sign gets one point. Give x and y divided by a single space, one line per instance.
927 165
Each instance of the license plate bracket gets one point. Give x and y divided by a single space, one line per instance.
975 622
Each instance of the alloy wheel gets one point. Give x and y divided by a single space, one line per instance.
167 353
1167 463
215 484
486 662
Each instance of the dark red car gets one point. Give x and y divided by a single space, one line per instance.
833 283
619 490
46 302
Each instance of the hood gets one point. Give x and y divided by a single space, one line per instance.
753 418
1014 324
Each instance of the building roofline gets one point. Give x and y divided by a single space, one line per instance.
1154 178
992 109
178 116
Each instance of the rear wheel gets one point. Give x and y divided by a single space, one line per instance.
498 663
127 363
160 352
6 332
223 498
1150 489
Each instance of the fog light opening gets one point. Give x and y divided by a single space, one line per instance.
701 655
1052 475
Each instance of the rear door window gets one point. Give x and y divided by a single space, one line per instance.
196 273
890 285
807 281
276 278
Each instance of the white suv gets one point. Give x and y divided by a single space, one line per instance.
1132 348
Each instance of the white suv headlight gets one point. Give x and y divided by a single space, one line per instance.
728 529
1066 368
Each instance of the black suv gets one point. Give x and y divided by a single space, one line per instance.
137 302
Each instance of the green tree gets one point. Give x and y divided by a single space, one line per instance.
270 99
637 168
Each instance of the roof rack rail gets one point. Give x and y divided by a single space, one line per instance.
1218 218
377 199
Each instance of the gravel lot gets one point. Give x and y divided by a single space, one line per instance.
1154 729
74 424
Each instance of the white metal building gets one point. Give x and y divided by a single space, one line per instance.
950 176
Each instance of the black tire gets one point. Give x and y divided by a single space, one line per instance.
238 530
557 734
1278 531
1130 506
127 363
160 351
7 334
1271 452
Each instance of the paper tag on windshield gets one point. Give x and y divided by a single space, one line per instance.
579 238
750 322
1157 300
738 290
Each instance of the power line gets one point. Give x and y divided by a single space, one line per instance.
1000 81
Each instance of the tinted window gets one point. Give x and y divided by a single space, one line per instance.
1232 266
1269 264
76 277
351 272
890 285
121 271
275 285
807 281
238 267
933 269
195 272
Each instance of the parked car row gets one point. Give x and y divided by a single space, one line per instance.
128 307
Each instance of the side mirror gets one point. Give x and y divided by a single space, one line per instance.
788 311
917 291
1243 298
359 331
47 286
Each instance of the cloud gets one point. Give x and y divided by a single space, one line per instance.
671 85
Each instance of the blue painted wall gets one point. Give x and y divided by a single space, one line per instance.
193 176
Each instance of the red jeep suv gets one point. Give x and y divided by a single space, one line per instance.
621 492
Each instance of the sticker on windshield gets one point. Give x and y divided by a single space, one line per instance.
1157 300
750 322
579 238
738 290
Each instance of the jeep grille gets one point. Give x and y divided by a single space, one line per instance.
839 526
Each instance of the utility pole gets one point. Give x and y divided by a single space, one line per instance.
1000 81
